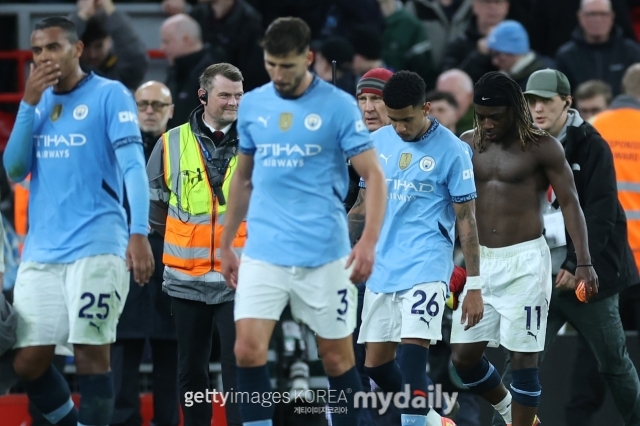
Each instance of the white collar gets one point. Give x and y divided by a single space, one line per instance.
224 130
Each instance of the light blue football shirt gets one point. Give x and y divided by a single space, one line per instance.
76 191
300 147
424 179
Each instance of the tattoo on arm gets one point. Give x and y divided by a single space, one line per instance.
468 235
356 219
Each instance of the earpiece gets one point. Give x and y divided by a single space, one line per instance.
204 97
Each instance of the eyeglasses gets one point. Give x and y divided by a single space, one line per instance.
156 105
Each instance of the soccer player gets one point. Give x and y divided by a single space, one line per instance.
296 134
78 136
514 163
431 187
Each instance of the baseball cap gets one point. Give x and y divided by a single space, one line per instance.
509 37
548 83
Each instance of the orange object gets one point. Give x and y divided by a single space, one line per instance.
618 127
581 292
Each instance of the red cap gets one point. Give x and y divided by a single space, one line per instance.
373 81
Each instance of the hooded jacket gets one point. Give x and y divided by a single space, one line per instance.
591 161
581 61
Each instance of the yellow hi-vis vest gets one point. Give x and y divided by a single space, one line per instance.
195 219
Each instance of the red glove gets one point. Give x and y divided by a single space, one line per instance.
456 284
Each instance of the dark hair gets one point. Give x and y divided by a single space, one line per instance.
66 25
404 88
592 88
435 95
367 41
286 35
226 70
518 104
94 31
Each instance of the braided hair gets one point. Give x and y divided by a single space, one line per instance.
504 88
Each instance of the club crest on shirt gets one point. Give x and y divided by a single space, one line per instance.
286 120
56 112
312 122
80 112
405 160
427 164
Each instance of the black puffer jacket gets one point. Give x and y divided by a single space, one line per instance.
591 160
608 61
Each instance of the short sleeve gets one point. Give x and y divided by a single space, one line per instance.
122 117
353 135
245 143
460 181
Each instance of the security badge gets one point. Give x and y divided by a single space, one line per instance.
56 112
405 160
286 120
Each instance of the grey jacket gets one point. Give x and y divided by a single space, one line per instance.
439 29
128 61
211 287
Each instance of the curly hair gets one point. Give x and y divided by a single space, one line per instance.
513 93
404 88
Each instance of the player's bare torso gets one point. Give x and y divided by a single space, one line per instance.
511 186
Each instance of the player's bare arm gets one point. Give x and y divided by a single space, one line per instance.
550 154
238 204
368 166
356 217
473 306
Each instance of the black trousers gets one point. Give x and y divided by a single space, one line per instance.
126 355
195 323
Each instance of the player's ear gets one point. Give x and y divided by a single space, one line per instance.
310 57
426 108
79 48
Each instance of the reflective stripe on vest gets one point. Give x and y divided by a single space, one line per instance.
194 224
618 127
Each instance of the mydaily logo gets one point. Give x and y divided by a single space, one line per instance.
381 401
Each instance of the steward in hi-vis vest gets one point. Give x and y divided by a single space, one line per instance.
189 194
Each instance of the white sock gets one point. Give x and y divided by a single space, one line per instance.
504 408
433 418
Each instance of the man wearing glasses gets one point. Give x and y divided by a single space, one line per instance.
189 173
597 49
147 311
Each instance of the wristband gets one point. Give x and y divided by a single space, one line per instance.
473 283
586 265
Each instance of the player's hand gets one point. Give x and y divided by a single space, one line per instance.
590 278
87 9
565 280
361 257
230 266
472 308
106 5
140 258
40 78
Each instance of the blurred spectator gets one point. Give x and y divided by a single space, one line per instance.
444 108
147 311
343 16
367 48
340 50
469 51
405 45
618 126
443 20
598 49
553 21
234 27
313 12
459 84
188 58
112 48
508 45
591 98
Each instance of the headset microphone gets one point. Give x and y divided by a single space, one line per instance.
204 97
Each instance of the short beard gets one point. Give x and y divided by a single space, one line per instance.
296 83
